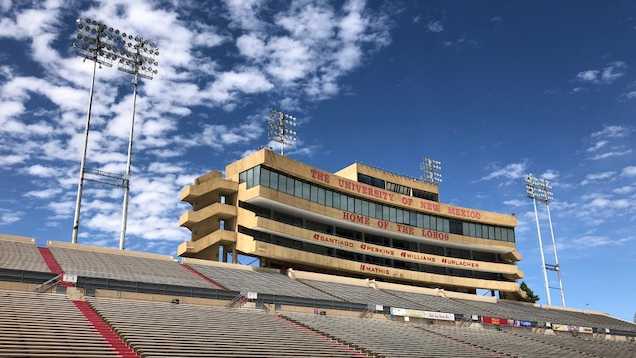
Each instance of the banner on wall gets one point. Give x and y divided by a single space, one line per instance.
496 321
440 316
560 327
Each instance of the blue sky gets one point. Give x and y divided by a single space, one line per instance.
494 92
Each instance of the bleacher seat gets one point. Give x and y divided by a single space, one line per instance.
253 280
46 325
157 329
21 254
126 267
385 338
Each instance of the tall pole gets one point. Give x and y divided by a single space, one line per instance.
124 214
543 267
80 184
556 257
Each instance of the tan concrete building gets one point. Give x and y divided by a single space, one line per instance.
358 222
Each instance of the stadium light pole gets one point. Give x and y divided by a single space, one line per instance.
541 190
279 129
105 45
431 170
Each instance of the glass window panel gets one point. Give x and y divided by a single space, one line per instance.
385 212
298 188
344 202
427 221
497 233
399 216
336 200
306 191
242 176
321 196
433 224
446 225
484 231
358 204
477 230
420 220
290 186
491 232
351 205
466 228
393 214
273 181
328 198
265 174
372 209
257 175
250 178
440 224
314 193
365 208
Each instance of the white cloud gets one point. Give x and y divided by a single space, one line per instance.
612 131
550 175
594 241
251 46
8 217
595 177
515 202
629 171
8 160
41 171
511 171
435 26
597 145
606 75
611 154
627 189
44 193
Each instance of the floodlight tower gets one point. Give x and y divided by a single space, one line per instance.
431 170
105 45
279 129
541 190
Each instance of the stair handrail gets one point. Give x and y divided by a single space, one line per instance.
45 286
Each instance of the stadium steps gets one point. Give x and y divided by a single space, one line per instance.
356 351
552 341
105 330
214 283
54 266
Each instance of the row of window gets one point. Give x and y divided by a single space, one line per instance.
404 190
371 238
260 175
375 260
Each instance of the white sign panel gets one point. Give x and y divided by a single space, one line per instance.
252 295
441 316
69 277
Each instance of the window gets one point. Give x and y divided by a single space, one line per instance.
250 178
433 224
372 210
321 196
385 212
413 219
265 174
282 183
290 186
392 214
314 193
344 202
358 204
427 221
336 200
471 229
497 233
298 188
491 232
273 180
306 191
478 230
420 220
242 176
365 208
440 224
399 216
446 225
350 205
257 175
328 198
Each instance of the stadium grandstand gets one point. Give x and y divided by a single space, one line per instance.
64 300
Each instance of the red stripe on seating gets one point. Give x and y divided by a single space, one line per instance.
334 343
50 261
105 330
204 277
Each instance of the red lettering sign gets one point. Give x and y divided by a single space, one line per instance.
318 175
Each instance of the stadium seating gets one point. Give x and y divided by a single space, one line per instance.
46 325
259 281
589 345
391 339
360 294
156 329
125 267
510 344
21 254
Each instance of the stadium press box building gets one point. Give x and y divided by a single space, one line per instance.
358 222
